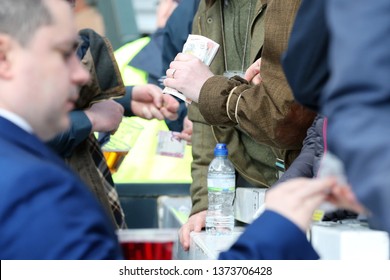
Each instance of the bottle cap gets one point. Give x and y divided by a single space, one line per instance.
220 150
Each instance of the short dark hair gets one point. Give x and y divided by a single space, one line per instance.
71 2
21 18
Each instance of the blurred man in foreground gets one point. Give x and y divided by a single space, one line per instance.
45 211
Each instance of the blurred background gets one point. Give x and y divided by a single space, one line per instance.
121 21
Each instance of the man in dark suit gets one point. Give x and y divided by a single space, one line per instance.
45 211
338 63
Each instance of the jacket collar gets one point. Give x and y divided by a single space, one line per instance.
257 30
259 3
26 141
98 57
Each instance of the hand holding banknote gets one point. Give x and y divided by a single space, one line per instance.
189 70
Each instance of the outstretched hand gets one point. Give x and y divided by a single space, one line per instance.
297 199
149 102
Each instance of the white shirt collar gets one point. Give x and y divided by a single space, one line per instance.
17 120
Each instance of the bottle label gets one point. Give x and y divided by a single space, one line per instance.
218 183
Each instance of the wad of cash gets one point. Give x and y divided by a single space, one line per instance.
201 47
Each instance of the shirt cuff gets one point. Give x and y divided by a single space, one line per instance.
125 101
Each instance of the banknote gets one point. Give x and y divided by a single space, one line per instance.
170 144
201 47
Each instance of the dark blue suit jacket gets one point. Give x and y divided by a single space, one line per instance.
176 31
45 211
306 61
347 79
271 237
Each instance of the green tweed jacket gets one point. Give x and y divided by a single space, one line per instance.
105 83
264 122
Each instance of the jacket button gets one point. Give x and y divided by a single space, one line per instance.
209 20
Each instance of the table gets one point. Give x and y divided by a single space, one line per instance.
207 247
350 240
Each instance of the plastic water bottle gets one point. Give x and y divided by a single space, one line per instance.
221 181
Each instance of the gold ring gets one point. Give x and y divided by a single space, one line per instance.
173 73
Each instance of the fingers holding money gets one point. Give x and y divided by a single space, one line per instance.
182 62
152 113
185 57
191 68
173 73
181 57
187 74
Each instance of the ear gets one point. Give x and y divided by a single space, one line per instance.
5 63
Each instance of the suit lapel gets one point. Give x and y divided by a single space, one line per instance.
257 30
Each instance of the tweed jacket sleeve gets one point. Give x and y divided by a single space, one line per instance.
267 112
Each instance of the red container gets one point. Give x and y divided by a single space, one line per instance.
148 244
